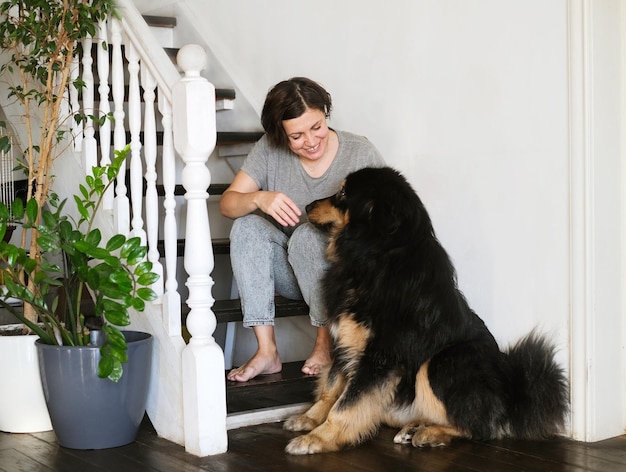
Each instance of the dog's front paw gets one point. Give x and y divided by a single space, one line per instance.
405 435
308 444
432 436
300 423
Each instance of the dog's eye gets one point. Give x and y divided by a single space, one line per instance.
341 195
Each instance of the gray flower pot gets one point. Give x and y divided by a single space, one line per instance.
88 412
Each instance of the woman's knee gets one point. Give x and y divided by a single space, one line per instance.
243 227
307 241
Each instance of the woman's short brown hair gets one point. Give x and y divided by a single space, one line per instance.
290 99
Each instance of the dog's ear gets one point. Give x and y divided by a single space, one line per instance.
383 217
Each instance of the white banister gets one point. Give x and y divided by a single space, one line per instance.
104 107
74 105
134 126
89 146
171 297
150 153
204 384
121 213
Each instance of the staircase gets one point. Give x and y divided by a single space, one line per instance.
134 80
271 391
185 406
169 121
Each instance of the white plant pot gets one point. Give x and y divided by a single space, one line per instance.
22 403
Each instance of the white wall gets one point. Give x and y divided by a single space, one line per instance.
469 99
473 101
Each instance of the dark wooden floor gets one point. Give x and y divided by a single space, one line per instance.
260 448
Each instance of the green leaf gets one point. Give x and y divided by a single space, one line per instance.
129 246
112 261
81 208
93 279
148 279
5 144
118 318
115 242
94 237
32 210
116 339
106 366
143 268
137 255
111 305
49 219
147 294
17 208
139 304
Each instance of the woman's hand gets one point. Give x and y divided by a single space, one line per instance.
243 197
279 206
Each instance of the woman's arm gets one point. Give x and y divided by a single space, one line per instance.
243 196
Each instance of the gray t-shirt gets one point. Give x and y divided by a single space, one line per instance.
279 170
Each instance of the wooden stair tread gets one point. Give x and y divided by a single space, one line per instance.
226 311
290 386
223 137
220 93
160 21
237 137
221 246
230 310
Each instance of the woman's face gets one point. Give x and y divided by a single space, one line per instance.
308 134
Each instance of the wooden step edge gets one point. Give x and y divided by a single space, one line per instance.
221 246
223 137
220 94
160 21
241 419
290 372
226 311
179 190
288 387
225 94
230 310
237 137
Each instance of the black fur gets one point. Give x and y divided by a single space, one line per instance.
391 273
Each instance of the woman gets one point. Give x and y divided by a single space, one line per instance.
298 160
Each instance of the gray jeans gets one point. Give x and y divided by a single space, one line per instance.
266 261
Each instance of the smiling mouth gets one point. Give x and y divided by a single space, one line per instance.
314 148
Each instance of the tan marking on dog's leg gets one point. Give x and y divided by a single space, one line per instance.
326 397
436 435
430 426
350 337
347 425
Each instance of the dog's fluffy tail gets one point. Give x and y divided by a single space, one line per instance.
540 393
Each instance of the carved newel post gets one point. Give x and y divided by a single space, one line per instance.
204 383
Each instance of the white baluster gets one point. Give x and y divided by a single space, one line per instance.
90 150
171 297
77 128
104 108
204 389
134 125
122 212
150 152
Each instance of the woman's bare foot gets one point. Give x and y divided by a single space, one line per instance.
265 361
320 358
259 364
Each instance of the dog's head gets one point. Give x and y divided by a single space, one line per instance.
375 206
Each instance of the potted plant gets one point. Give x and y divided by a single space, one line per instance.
75 261
58 260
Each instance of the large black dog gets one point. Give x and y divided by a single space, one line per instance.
409 352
